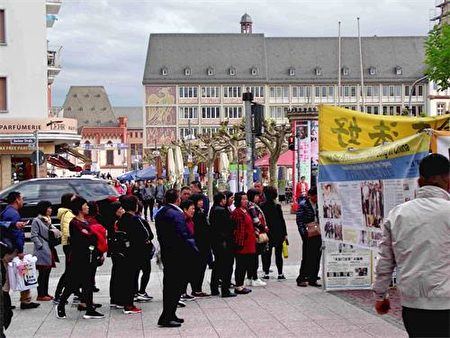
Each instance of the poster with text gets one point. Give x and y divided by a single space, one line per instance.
347 267
358 188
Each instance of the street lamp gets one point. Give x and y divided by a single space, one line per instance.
36 143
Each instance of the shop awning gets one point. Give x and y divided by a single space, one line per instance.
75 153
286 159
61 162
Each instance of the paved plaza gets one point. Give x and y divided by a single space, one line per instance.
281 309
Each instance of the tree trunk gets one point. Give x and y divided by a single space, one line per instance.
210 165
273 171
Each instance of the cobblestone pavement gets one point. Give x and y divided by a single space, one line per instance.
281 309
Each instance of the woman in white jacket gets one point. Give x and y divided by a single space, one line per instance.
43 250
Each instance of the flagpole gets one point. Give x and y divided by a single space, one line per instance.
361 69
339 65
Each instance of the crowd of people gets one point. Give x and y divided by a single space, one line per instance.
230 236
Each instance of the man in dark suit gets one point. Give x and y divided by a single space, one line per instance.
176 244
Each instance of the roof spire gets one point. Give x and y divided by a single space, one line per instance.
246 24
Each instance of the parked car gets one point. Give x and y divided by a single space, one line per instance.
51 189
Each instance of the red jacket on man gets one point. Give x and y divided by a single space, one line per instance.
244 233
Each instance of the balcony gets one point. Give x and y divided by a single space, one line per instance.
51 18
53 6
53 63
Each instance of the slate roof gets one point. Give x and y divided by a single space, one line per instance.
134 114
90 105
274 56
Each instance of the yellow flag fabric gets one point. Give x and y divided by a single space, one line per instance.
411 145
342 129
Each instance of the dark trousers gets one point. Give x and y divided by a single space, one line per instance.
148 204
426 323
311 253
222 270
62 279
114 285
146 267
244 264
44 275
173 283
201 269
79 273
261 249
267 258
125 282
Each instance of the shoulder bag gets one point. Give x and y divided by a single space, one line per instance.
312 229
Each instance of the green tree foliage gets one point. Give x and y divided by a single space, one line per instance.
437 56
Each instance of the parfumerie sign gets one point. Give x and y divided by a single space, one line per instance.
13 126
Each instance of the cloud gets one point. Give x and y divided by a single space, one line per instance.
105 41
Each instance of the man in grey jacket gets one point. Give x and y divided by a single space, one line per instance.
416 239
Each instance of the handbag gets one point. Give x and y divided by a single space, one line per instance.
312 229
54 237
285 249
262 238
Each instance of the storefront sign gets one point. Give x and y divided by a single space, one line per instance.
28 126
22 141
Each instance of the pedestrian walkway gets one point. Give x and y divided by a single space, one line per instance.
281 309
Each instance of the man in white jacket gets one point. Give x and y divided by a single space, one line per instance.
416 239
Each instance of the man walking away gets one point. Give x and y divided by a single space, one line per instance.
416 239
176 244
160 190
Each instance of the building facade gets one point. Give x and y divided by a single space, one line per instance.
27 69
192 82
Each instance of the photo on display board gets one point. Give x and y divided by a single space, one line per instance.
333 230
363 239
331 203
372 203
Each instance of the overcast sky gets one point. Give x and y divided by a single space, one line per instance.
105 41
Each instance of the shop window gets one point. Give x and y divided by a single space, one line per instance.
109 154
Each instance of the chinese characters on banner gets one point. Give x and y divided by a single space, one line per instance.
341 129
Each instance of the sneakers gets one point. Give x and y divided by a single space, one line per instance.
181 304
266 276
200 295
60 312
185 297
76 300
117 306
258 282
281 277
93 315
143 297
130 310
249 282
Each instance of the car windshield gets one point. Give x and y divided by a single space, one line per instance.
93 190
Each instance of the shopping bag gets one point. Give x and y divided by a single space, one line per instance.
285 249
22 274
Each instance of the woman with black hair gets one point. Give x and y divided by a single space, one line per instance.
277 232
222 245
202 240
43 248
83 255
244 241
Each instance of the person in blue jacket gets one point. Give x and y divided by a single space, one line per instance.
176 243
14 233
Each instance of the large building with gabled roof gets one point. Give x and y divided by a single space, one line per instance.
193 82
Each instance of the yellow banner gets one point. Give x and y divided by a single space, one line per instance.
341 129
410 145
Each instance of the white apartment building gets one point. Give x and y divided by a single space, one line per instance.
27 69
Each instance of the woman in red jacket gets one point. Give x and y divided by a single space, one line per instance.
244 240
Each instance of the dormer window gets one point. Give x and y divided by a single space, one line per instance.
318 71
398 70
210 71
291 71
187 71
345 71
164 71
254 71
372 71
232 71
